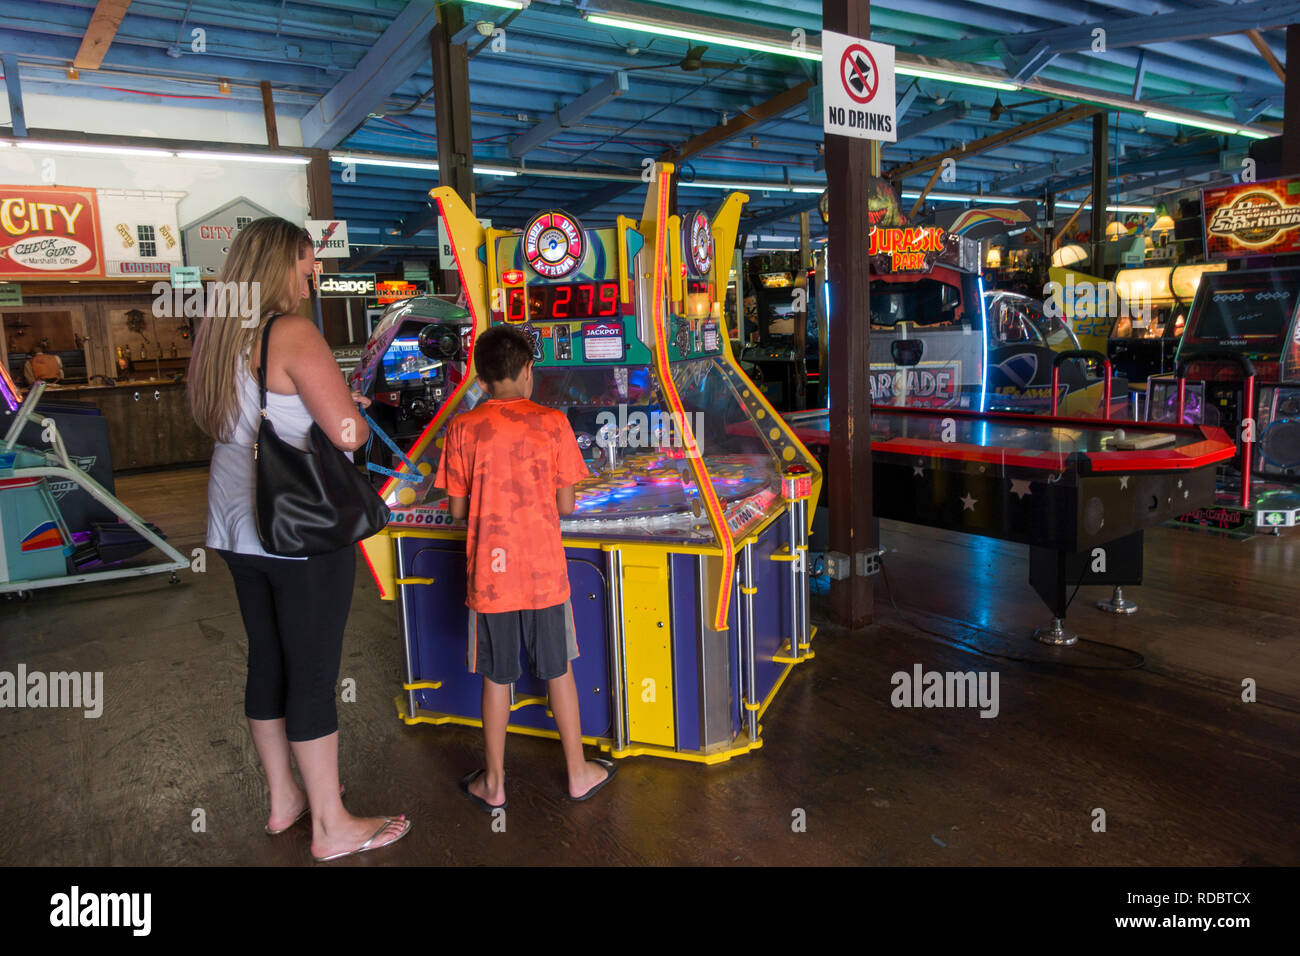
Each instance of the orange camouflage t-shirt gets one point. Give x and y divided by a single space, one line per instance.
509 457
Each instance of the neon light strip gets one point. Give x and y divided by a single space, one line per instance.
717 518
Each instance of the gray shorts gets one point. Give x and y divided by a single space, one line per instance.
547 634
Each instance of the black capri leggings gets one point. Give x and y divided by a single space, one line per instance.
294 614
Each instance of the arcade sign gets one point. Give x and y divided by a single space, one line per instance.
49 232
554 244
337 285
910 249
329 236
1252 219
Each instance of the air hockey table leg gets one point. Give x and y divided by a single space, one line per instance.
1118 603
1056 634
1057 575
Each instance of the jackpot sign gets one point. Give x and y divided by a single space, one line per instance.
50 231
1251 219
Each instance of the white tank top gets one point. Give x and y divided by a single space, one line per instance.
232 521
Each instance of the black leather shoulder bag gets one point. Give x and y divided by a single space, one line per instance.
308 502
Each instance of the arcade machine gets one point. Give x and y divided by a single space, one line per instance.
1238 368
784 300
686 551
37 547
1144 338
413 362
935 344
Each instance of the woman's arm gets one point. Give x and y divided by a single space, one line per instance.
302 352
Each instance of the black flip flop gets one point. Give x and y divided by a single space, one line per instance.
611 767
479 801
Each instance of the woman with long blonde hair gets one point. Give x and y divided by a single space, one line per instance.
294 609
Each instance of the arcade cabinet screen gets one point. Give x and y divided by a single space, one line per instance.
404 362
918 301
1252 309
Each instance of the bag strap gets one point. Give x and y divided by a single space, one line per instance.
261 366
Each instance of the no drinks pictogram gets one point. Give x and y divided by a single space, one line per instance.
858 87
859 73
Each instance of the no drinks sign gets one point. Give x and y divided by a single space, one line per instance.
858 88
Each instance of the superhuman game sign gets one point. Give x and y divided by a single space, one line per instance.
49 231
1251 219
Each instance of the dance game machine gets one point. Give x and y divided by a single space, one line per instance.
1238 365
686 550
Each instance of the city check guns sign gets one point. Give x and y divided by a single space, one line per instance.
858 87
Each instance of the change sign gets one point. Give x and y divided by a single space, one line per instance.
858 88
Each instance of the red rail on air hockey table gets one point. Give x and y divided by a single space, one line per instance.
1026 441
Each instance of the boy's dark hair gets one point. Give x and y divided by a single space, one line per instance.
502 352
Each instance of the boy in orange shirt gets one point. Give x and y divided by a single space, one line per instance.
509 466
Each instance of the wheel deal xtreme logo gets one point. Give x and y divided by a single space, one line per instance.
701 258
554 244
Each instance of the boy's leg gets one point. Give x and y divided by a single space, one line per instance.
553 642
491 786
494 655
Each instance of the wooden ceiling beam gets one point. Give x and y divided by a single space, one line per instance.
99 33
1040 125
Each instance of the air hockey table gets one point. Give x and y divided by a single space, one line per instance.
1079 492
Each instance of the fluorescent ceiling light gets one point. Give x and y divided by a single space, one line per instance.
245 157
1190 121
89 148
495 171
756 187
966 78
1064 204
383 161
703 36
1254 135
968 197
508 4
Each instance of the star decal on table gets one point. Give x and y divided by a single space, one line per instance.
1020 487
968 503
1123 482
918 470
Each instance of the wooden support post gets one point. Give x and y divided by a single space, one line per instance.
848 165
14 88
268 112
1049 228
1291 105
320 204
1100 184
452 114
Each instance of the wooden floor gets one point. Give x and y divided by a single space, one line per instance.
1185 771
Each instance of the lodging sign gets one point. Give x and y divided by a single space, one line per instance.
1252 219
858 88
48 232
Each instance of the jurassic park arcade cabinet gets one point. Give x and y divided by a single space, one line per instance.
687 549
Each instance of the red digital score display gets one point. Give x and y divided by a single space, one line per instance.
563 302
